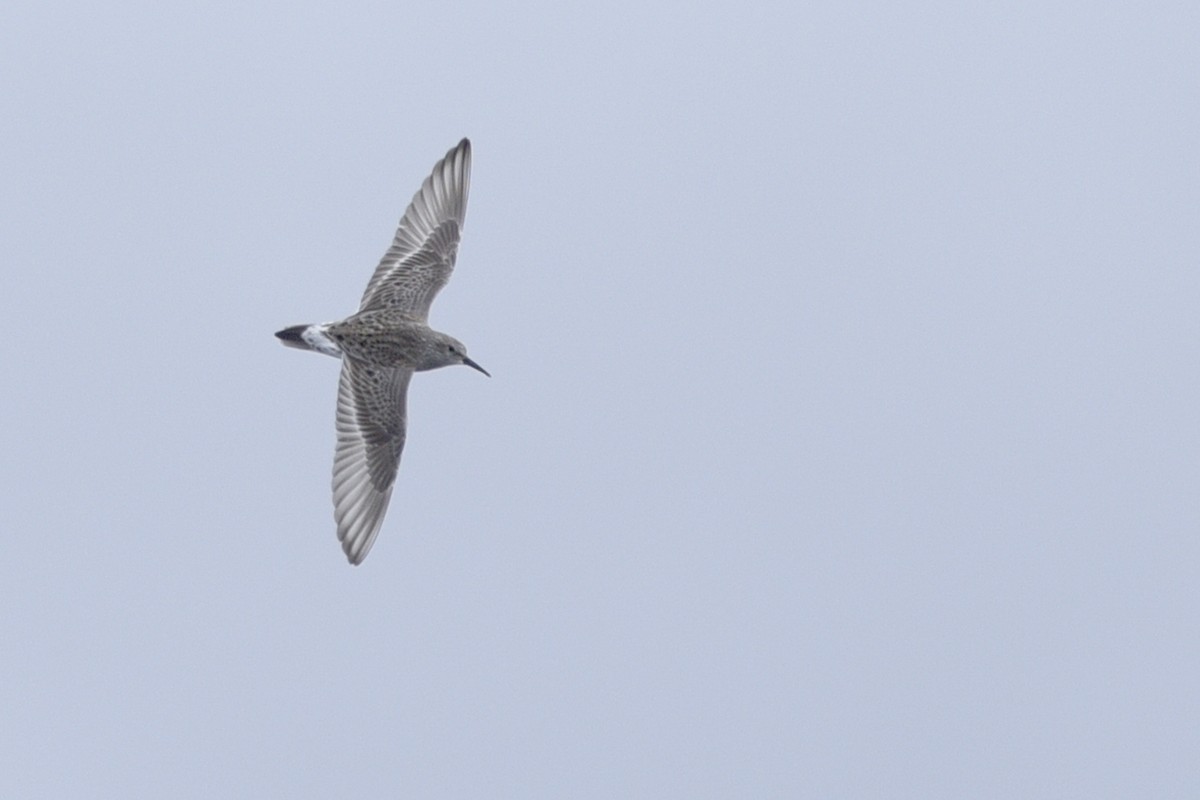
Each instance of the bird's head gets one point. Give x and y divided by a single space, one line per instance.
444 351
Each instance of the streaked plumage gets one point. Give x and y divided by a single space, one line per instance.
384 343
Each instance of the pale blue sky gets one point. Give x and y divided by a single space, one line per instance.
842 441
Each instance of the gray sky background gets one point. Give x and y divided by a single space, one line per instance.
842 441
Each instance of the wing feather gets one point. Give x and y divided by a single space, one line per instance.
422 255
371 422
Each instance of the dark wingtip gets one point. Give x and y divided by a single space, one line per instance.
292 334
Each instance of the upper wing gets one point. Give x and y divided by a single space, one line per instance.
421 257
371 411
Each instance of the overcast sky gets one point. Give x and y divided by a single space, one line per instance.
842 442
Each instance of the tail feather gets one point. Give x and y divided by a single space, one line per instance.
310 337
294 337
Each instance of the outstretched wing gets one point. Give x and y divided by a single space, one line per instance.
371 411
421 257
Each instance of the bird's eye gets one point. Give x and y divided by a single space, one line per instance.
450 347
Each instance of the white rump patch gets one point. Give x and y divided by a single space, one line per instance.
315 336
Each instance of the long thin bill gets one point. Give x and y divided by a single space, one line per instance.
472 364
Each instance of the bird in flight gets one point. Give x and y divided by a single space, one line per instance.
384 343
